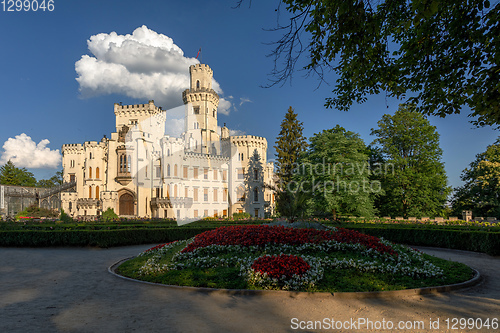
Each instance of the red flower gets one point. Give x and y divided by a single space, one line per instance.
279 266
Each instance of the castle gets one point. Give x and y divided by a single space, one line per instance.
143 170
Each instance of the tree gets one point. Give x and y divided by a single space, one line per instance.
335 172
444 52
290 143
480 193
54 181
413 175
11 175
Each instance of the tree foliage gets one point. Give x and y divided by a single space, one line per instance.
481 191
11 175
290 143
335 172
443 52
413 175
53 181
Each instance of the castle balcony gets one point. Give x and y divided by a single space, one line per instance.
123 178
171 202
88 203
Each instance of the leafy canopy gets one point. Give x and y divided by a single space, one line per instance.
481 191
413 176
335 172
11 175
444 53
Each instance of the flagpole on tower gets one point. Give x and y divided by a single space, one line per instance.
199 53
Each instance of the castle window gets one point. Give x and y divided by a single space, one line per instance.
205 194
215 174
197 84
195 173
195 213
90 172
241 173
215 195
205 212
175 170
175 191
195 194
97 173
90 191
186 194
90 155
214 113
168 170
196 110
97 192
256 194
224 175
128 163
216 213
72 178
256 174
185 172
158 172
205 173
256 213
224 195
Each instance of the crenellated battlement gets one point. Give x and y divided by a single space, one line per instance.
201 94
149 108
248 140
201 68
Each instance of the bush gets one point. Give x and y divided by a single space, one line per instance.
241 216
36 212
65 217
109 215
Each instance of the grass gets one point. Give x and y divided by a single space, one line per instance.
334 279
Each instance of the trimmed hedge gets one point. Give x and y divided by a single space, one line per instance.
469 240
101 238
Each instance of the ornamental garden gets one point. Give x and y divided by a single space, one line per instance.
276 257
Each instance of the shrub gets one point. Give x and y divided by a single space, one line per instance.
241 216
65 217
109 215
36 212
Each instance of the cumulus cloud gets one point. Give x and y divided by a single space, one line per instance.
144 65
236 132
224 106
25 153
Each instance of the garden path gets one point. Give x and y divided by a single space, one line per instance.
70 290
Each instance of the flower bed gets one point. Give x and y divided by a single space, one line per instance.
277 257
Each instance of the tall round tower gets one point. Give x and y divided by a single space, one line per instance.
201 111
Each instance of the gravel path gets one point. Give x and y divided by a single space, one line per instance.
70 290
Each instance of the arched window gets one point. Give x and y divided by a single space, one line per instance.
175 170
97 192
256 174
256 194
90 191
197 84
175 191
121 163
128 163
90 155
168 170
90 172
97 173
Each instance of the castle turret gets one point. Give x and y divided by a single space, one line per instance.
201 109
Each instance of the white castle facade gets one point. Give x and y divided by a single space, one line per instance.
144 171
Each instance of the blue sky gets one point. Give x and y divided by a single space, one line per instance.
41 97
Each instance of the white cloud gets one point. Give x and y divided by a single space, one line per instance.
25 153
244 100
144 65
224 106
236 132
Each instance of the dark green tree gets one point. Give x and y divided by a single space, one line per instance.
481 191
290 143
412 174
11 175
445 52
53 181
335 172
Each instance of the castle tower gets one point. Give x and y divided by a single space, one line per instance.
201 111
